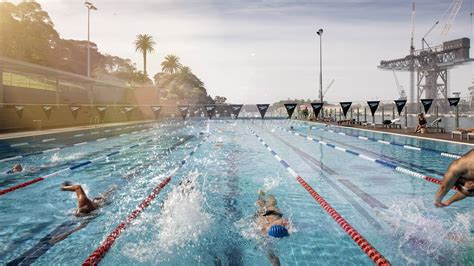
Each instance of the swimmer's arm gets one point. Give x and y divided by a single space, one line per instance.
450 178
63 236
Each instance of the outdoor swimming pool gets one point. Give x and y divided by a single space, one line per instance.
372 180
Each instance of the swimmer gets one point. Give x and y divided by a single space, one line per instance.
17 168
460 174
269 218
84 204
292 128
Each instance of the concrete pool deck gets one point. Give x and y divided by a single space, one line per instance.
405 132
33 133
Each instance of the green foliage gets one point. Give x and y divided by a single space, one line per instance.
27 33
144 44
172 65
220 99
182 84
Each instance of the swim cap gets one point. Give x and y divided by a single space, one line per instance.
277 231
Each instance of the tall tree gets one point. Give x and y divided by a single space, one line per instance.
144 44
171 64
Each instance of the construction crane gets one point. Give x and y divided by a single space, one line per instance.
329 86
401 92
454 8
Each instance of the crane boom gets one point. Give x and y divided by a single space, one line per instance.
329 86
401 91
455 7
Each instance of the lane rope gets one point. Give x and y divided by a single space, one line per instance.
104 247
405 146
71 168
16 157
368 158
75 136
363 244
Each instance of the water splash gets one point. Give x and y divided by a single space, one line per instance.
181 223
423 233
271 182
61 158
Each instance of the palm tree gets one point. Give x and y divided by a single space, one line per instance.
171 64
144 44
185 70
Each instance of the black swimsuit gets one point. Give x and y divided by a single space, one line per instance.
272 212
460 186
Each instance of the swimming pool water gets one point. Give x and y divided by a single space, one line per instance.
212 224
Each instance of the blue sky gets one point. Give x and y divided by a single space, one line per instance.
264 51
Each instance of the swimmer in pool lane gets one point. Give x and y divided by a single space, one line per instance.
271 222
269 218
460 174
84 204
17 168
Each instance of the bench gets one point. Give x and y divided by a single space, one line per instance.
457 132
470 135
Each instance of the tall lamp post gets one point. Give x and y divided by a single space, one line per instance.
320 34
89 7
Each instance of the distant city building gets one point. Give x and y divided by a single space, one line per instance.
471 96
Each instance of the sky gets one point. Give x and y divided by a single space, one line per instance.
265 51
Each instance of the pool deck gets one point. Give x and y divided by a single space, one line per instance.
406 132
33 133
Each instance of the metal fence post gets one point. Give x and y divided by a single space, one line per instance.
383 114
357 114
437 116
365 114
406 117
456 118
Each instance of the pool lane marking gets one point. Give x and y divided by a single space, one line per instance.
57 149
371 201
364 245
377 161
317 166
104 247
68 169
76 135
405 146
19 144
390 159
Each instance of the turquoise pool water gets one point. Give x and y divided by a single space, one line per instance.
212 223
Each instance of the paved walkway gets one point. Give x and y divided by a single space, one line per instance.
66 129
408 132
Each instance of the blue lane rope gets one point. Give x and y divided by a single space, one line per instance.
365 157
405 146
365 246
70 168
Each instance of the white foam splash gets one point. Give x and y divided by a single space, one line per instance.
271 182
61 158
181 222
182 218
420 231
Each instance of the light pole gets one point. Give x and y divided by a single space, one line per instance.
320 33
89 6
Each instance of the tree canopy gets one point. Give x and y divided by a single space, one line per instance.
27 33
181 83
144 44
